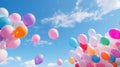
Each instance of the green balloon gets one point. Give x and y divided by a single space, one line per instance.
104 41
118 47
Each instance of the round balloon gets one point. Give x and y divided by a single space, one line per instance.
89 64
29 19
35 38
77 65
91 51
91 32
105 56
2 45
15 17
116 53
104 41
53 33
73 42
71 60
82 38
95 58
4 12
112 58
3 55
39 59
1 38
59 62
100 64
93 41
114 33
84 47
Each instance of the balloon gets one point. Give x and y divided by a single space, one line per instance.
114 33
59 62
116 53
71 60
114 64
18 24
3 55
35 38
91 51
98 36
89 64
95 58
100 64
73 42
39 59
20 31
13 43
53 33
91 32
84 47
93 41
29 19
86 58
1 38
2 45
4 12
82 64
77 65
4 21
104 41
82 38
112 58
75 55
7 31
15 17
105 56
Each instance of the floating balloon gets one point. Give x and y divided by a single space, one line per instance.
35 38
1 38
95 58
98 36
86 58
4 12
15 17
13 43
39 59
114 33
71 60
82 38
77 65
91 32
59 62
112 58
100 64
7 31
29 19
4 21
2 45
3 55
89 64
53 33
116 53
93 41
84 47
104 41
91 51
114 64
20 31
105 56
73 42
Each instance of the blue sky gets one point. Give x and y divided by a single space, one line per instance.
70 17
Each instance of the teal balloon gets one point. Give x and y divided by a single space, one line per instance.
95 58
104 41
4 21
73 42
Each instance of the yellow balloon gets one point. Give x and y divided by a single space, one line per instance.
91 51
71 60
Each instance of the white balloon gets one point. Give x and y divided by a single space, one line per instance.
91 32
4 12
3 55
93 41
2 45
98 36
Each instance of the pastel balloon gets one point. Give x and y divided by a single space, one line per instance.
1 38
71 60
105 56
89 64
114 33
39 59
98 36
91 32
53 33
4 12
7 31
116 53
82 38
18 24
84 47
29 19
35 38
82 64
100 64
20 32
95 58
3 55
104 41
2 45
86 58
4 21
112 58
77 65
59 62
91 51
73 42
13 43
93 41
15 17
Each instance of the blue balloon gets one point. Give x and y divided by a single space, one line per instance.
73 42
95 58
4 21
112 58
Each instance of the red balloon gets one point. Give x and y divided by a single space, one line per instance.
83 46
77 65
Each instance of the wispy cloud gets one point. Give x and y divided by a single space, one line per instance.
61 19
29 63
44 42
51 64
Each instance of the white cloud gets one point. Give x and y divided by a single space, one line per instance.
51 64
29 63
44 42
61 19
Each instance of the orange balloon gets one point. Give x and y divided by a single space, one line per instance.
105 56
91 51
114 64
20 31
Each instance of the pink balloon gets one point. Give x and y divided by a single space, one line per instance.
7 31
2 45
15 17
90 64
13 43
100 64
3 55
53 33
35 38
59 62
114 33
82 38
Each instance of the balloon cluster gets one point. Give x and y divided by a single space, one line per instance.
97 51
12 28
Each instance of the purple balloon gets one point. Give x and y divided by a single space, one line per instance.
1 38
116 53
39 59
29 19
